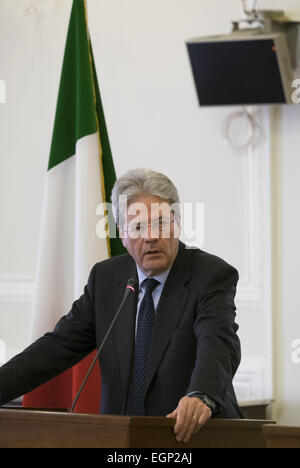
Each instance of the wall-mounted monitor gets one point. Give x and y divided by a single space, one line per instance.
242 69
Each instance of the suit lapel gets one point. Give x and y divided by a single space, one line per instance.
126 324
170 310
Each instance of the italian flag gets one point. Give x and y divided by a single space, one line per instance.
80 177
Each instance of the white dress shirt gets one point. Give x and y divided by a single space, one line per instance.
162 278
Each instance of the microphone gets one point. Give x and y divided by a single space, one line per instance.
130 288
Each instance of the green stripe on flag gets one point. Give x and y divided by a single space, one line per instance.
77 113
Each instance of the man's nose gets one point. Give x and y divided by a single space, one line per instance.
151 234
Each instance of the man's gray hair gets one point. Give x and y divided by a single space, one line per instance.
138 182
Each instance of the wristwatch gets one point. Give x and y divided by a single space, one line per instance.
207 401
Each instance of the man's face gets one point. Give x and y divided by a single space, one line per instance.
150 234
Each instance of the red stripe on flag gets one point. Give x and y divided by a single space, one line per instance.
60 392
89 401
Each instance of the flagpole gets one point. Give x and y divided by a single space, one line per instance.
102 180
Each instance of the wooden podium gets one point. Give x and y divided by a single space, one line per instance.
281 436
43 429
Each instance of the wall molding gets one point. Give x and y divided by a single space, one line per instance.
254 284
254 291
16 288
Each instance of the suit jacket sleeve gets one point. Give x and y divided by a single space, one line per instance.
72 339
218 351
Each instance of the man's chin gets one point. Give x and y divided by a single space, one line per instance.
154 266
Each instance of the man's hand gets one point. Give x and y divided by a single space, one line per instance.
191 414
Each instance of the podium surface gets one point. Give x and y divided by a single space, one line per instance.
34 429
282 436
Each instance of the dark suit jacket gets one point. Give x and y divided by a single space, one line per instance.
194 348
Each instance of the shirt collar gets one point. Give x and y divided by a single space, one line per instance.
162 277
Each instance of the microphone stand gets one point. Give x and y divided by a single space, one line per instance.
130 288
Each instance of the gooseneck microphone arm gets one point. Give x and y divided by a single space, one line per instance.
130 288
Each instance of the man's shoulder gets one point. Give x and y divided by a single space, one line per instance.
206 264
208 258
114 263
112 271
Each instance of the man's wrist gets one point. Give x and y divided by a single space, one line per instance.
207 400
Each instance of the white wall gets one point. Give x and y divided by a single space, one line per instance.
154 121
286 293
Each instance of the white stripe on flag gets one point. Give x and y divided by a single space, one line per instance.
69 246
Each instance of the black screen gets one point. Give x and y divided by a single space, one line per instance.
236 72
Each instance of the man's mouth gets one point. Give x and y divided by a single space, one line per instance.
153 252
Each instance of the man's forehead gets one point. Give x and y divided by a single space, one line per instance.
152 209
147 200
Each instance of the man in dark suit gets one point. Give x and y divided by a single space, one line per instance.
174 350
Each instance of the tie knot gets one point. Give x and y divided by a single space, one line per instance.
150 284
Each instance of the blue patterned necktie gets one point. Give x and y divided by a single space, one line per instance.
146 319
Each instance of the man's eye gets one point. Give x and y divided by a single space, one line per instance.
163 222
136 227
